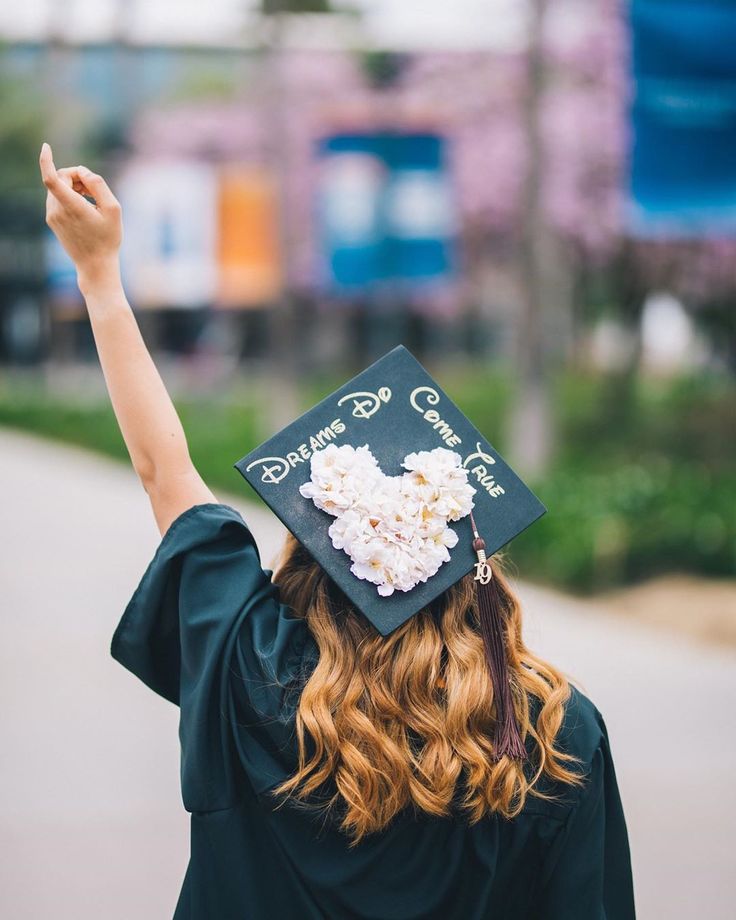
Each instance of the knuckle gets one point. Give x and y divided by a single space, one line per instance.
49 181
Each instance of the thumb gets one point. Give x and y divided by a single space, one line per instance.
99 188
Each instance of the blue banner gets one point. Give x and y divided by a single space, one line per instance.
61 272
385 211
683 158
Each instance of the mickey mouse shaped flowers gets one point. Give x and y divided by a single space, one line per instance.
394 528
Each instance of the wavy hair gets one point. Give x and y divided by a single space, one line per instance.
405 720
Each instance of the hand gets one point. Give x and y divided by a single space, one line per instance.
90 233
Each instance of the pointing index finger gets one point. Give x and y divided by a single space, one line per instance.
58 188
46 162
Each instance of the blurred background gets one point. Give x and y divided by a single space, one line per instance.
536 197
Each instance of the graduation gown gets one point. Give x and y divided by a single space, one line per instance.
206 630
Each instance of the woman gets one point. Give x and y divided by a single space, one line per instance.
331 771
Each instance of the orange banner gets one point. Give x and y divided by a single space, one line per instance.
248 258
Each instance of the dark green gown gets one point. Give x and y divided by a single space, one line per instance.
205 629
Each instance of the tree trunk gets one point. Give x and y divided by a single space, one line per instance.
530 430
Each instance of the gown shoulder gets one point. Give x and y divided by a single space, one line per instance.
206 630
587 873
583 726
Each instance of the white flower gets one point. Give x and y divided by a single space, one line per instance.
394 528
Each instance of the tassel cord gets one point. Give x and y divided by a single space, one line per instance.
492 616
507 737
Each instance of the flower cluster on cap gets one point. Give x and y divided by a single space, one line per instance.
394 528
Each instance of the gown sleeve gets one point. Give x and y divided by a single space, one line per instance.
588 874
205 630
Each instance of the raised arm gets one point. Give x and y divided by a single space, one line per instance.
91 234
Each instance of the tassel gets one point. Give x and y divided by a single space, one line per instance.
507 737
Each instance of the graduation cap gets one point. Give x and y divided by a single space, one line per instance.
397 495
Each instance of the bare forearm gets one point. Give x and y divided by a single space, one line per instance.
147 418
86 218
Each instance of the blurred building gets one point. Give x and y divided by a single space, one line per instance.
258 161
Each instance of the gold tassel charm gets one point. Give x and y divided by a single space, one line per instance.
483 571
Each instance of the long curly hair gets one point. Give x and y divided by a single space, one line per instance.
406 719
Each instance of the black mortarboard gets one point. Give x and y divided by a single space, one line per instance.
391 410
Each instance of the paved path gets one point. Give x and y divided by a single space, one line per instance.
92 823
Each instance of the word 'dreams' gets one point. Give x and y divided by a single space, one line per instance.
276 468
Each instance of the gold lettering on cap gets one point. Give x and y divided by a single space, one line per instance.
479 454
432 415
273 473
480 471
487 480
366 404
277 468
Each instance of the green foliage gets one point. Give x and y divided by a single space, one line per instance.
21 131
222 433
643 481
383 68
271 7
617 418
218 432
611 527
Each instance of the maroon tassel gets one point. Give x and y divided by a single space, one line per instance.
507 737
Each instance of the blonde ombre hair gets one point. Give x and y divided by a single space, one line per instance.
405 720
